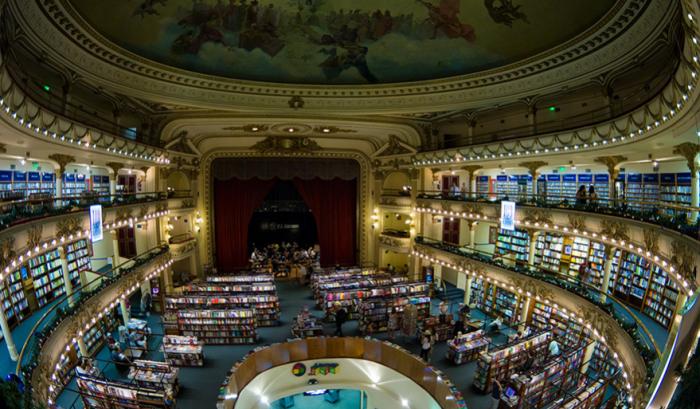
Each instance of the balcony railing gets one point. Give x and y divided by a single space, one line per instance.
670 214
628 321
68 305
15 212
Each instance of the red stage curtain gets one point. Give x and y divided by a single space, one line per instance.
333 204
235 201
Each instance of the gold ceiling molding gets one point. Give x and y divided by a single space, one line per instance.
395 147
62 161
532 166
290 144
690 152
61 28
611 163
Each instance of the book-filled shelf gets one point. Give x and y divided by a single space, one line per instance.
569 332
476 298
502 362
602 363
95 336
306 325
351 298
182 351
261 297
467 347
538 387
357 283
78 259
14 303
242 278
489 296
441 326
374 313
508 305
516 242
661 298
156 375
589 397
548 250
217 326
576 253
103 394
47 276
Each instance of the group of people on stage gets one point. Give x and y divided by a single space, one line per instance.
280 257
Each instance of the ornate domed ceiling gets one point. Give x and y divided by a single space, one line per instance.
340 41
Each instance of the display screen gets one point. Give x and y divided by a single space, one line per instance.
96 223
507 215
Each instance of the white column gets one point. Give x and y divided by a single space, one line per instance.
124 310
524 311
112 185
146 286
534 175
472 233
66 276
168 280
81 345
115 248
531 251
59 188
7 335
468 290
587 356
607 271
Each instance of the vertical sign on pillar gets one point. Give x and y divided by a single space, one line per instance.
507 215
96 223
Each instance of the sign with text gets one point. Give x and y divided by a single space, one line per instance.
96 223
507 215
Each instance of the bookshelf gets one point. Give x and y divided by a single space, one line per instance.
633 190
218 326
633 279
47 276
33 184
467 347
483 185
596 262
242 279
601 361
650 189
601 183
305 326
579 253
103 394
95 336
265 306
14 290
156 375
374 312
19 182
548 251
351 298
613 271
538 387
589 398
78 259
569 187
661 298
477 296
565 329
514 242
489 296
553 187
182 351
502 362
508 305
6 191
48 183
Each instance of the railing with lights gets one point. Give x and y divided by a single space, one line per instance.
668 214
635 372
16 212
25 113
44 381
686 285
429 378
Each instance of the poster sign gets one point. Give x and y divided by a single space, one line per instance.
96 222
507 215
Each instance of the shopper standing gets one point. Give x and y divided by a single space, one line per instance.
581 196
341 315
496 390
425 345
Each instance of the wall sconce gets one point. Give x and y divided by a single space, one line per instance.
198 222
375 218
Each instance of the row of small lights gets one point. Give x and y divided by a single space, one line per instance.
87 145
669 269
59 241
291 129
680 104
519 290
131 220
53 387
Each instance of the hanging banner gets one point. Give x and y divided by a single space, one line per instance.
507 215
96 222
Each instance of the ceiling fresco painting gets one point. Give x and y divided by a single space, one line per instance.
339 41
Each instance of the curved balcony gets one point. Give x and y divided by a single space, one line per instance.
670 215
234 391
605 326
18 212
44 358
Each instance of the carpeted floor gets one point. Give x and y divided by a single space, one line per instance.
199 386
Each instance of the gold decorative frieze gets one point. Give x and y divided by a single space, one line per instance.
651 240
541 216
577 221
68 226
115 166
684 258
615 230
286 144
34 236
7 251
690 152
611 163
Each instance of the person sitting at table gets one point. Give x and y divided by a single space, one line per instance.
119 358
495 325
85 368
137 340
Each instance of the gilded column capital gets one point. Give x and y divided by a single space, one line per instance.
690 152
115 166
532 166
62 161
611 163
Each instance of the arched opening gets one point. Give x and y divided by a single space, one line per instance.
178 184
282 217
